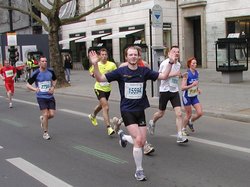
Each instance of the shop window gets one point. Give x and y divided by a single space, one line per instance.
130 40
167 39
239 25
78 51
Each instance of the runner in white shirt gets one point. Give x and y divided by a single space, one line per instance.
169 91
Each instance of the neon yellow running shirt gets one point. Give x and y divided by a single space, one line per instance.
103 68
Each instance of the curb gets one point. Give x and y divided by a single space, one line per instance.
229 116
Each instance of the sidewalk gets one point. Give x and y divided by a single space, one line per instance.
230 101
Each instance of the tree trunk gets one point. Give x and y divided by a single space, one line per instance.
55 56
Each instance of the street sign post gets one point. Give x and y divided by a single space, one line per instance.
11 39
157 17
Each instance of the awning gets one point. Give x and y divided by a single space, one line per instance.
90 38
66 41
120 34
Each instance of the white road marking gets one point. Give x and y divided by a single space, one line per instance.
204 141
1 147
22 101
219 144
78 113
26 102
11 122
37 173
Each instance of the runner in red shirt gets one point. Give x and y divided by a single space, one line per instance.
8 74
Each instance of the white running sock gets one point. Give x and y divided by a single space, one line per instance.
137 153
129 138
179 134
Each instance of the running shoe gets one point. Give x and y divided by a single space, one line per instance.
122 140
93 120
110 131
139 175
181 139
148 148
10 105
41 120
151 127
46 136
190 125
185 132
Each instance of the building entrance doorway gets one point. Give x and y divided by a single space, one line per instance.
197 39
193 39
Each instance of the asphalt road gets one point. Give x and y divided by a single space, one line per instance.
80 154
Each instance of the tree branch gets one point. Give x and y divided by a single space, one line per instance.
54 12
49 2
29 13
39 6
63 2
77 18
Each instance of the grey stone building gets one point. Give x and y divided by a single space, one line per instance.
194 25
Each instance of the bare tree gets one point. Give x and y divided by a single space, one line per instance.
52 27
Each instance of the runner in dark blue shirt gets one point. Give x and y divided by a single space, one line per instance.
132 85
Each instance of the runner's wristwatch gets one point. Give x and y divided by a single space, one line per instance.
171 62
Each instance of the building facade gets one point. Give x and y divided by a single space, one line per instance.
119 24
202 22
194 25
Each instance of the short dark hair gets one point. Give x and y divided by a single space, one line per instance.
42 56
131 47
103 49
174 46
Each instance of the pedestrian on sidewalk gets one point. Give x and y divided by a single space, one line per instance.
189 86
169 91
67 67
103 90
132 85
8 74
45 82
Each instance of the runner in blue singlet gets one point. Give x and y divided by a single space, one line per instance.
191 91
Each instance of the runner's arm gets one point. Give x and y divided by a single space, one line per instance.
93 57
2 77
14 76
184 83
30 87
30 81
165 74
